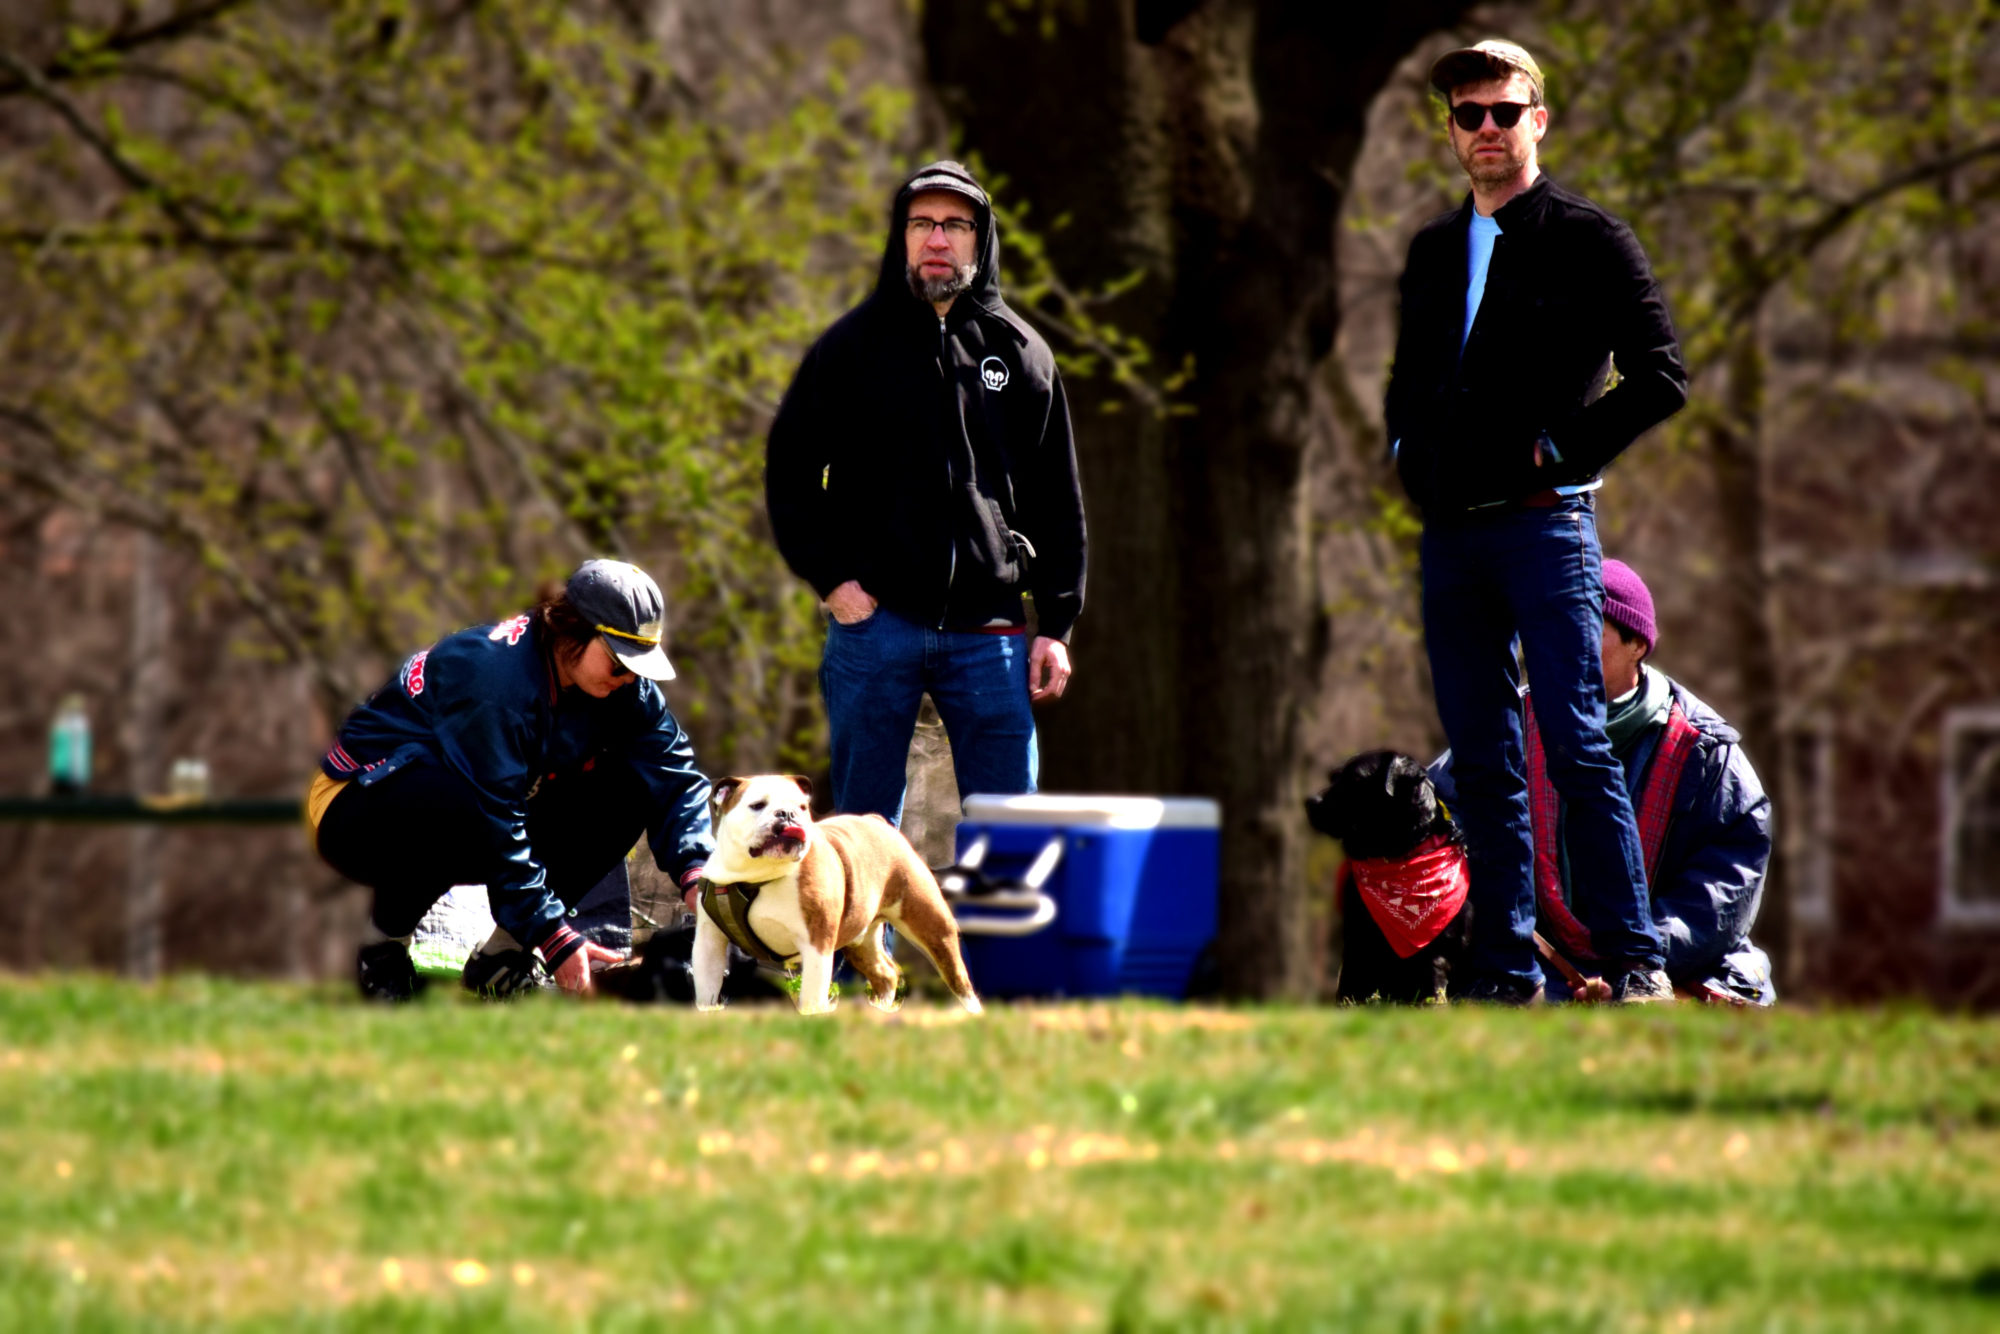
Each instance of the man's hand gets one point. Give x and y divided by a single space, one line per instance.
850 603
573 975
1048 669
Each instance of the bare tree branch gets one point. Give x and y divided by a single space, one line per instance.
82 63
1799 244
123 167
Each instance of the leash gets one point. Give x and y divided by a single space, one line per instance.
1589 990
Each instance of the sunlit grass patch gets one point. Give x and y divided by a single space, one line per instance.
203 1155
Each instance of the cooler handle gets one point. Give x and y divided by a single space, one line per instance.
967 882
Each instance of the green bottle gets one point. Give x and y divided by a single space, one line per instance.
69 748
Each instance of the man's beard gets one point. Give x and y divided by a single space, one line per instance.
1490 171
935 290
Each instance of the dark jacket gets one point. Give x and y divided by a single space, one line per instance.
1711 873
1568 290
932 461
484 703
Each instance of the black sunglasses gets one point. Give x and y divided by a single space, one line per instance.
1471 115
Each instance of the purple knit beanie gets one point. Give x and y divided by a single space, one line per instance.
1627 603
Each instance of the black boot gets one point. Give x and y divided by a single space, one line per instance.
384 972
501 974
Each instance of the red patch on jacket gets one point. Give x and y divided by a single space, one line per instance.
413 675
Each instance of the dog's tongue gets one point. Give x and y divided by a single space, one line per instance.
792 831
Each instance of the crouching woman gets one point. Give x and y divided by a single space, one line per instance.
527 756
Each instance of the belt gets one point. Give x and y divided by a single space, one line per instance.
1539 500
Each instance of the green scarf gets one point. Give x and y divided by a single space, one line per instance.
1631 717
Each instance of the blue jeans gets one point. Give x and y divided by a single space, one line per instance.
1537 574
874 675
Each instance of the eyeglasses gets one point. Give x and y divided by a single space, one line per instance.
1470 116
956 229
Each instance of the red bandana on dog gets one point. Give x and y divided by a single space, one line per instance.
1413 898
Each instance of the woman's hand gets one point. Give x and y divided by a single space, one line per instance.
573 974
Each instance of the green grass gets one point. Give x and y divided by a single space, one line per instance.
218 1156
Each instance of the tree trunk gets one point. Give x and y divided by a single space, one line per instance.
1212 160
1736 459
144 948
1074 122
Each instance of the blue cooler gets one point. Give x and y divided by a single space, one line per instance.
1135 893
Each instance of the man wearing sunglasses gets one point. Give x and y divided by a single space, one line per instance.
921 477
1516 307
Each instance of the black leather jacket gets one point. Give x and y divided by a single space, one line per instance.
1568 290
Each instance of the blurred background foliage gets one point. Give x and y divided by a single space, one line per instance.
392 311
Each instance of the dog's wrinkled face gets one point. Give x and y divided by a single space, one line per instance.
1378 804
764 818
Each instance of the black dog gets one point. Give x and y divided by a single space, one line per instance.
1382 809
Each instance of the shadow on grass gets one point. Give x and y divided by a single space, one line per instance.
1731 1102
1802 1102
1982 1285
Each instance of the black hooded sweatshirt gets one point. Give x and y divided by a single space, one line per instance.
929 459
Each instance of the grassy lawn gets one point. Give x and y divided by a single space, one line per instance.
210 1155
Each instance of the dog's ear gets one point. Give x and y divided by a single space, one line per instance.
1395 778
1413 788
805 785
722 794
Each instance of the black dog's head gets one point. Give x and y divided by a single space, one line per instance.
1379 804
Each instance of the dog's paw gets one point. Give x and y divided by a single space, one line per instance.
808 1005
707 1007
972 1005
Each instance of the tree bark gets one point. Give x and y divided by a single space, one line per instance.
1214 161
1075 122
145 952
1736 461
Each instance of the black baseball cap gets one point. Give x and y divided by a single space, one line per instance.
625 605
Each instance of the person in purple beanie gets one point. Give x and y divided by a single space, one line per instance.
1703 815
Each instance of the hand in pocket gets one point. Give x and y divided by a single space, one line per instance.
850 603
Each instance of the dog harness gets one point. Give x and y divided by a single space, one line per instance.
728 906
1413 898
1654 807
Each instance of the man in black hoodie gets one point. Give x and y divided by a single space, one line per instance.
921 477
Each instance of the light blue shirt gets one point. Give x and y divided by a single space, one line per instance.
1478 258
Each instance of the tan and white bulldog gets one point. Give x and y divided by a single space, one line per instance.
820 888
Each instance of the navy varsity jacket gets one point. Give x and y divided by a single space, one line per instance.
485 703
